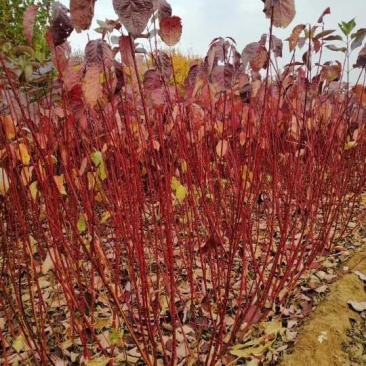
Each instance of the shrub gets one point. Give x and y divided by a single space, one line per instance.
142 222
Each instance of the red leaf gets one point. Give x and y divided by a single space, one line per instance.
164 64
133 14
170 30
282 12
28 22
276 46
212 242
195 74
60 55
317 45
325 12
222 77
253 314
92 89
256 55
82 12
361 58
360 92
152 80
98 52
126 50
215 54
331 72
61 26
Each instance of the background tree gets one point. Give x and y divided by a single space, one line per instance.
11 23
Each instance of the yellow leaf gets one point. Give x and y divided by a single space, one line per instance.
181 193
23 154
4 182
175 183
251 351
273 327
33 187
91 180
102 323
101 361
105 217
19 343
349 145
59 180
179 189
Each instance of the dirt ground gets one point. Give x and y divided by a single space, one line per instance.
335 333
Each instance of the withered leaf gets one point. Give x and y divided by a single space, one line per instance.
134 14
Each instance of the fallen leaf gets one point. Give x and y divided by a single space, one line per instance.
358 306
360 275
19 343
102 361
241 351
48 263
323 336
321 289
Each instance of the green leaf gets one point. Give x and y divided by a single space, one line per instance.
97 158
81 225
348 27
19 343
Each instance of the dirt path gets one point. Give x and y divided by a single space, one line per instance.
335 334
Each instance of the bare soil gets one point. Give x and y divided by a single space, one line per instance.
335 334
